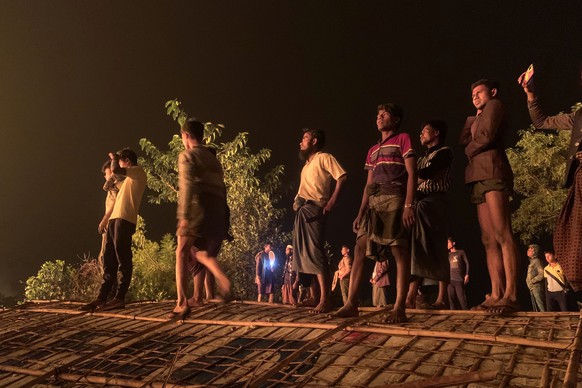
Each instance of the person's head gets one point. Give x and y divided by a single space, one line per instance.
389 117
550 256
345 250
433 132
106 170
313 140
482 91
192 131
127 158
450 243
267 247
289 250
533 251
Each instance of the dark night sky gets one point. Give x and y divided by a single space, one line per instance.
80 79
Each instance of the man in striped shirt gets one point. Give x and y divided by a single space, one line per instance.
386 211
429 255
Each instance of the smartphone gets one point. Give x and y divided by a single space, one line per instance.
529 74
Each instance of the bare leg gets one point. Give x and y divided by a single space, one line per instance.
398 313
312 294
196 299
500 218
412 293
493 253
209 285
270 298
259 298
213 266
324 305
350 308
443 296
183 247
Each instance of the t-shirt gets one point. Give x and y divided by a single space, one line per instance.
316 177
130 194
459 265
386 160
556 270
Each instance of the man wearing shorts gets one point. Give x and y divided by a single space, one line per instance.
490 178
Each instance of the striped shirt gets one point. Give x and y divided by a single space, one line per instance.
434 170
386 160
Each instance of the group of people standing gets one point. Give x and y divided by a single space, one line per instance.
402 214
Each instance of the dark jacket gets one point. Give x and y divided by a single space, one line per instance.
483 139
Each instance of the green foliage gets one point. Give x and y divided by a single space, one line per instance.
252 200
52 282
539 161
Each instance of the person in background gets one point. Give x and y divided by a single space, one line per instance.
459 276
290 279
344 268
556 291
380 282
265 272
535 279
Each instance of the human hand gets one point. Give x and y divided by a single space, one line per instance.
102 228
466 280
330 204
408 217
356 224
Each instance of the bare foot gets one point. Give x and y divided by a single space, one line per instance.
322 308
195 302
488 303
504 306
348 311
396 316
307 303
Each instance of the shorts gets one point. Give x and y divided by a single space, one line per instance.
480 188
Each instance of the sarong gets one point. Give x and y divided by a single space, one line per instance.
308 240
382 224
568 234
429 253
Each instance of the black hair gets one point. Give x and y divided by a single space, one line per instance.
316 134
194 128
437 125
126 153
488 84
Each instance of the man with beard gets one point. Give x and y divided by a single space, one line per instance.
490 178
386 211
429 256
314 200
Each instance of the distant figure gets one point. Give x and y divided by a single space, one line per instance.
459 276
380 282
344 268
290 279
111 187
265 272
490 178
386 212
314 200
535 279
429 256
117 257
568 230
556 297
202 218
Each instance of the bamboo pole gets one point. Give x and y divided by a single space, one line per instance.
447 381
77 378
571 378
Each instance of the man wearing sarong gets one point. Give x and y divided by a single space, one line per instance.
386 211
429 255
314 200
490 178
568 230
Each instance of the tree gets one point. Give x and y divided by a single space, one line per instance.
252 200
538 161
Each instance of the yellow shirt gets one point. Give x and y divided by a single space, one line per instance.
129 197
556 270
316 177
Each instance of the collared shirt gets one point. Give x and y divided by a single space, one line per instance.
316 177
556 270
386 160
434 169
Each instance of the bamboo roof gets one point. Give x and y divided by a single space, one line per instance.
246 344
